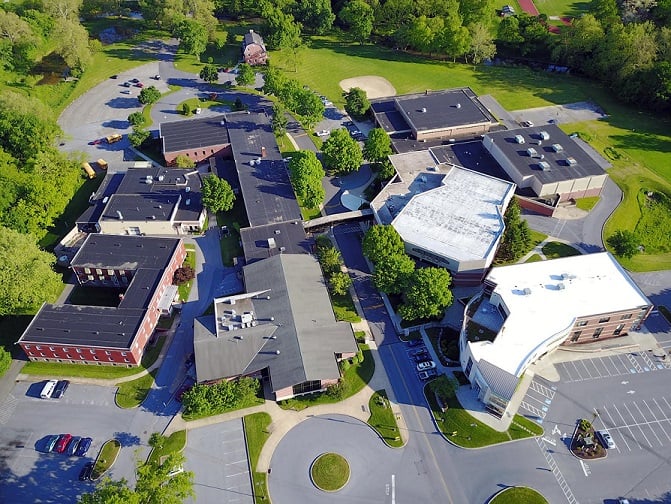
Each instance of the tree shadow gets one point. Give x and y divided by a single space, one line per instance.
127 439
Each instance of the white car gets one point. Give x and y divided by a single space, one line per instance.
528 124
606 439
423 366
323 133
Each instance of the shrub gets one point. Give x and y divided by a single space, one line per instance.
186 109
183 275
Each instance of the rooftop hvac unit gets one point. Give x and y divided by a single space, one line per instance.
105 200
187 202
531 152
458 105
187 189
277 231
423 110
519 139
527 291
544 135
148 178
160 178
571 161
561 286
544 165
557 148
271 243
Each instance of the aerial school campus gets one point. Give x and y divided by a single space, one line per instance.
327 265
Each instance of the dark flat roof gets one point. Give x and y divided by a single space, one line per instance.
193 133
433 110
291 238
266 189
86 326
140 207
559 167
125 252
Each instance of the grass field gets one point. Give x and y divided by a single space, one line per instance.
382 419
562 8
330 472
256 435
175 442
517 495
553 250
130 394
185 289
108 454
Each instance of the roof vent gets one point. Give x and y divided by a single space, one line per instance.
277 231
222 123
187 189
544 165
531 152
106 199
571 161
160 178
527 291
282 249
272 319
557 147
544 135
519 139
423 110
187 202
153 217
458 105
268 296
277 352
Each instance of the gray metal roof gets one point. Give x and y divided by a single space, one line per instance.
266 189
559 167
501 382
261 242
193 133
305 335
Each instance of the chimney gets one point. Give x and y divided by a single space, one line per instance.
263 152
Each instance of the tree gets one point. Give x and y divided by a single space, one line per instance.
279 121
340 282
109 491
358 16
138 136
385 170
316 15
444 387
427 295
342 153
26 274
217 194
192 37
20 37
482 44
246 75
330 260
72 43
392 273
377 147
63 9
280 30
516 239
209 73
509 32
137 119
624 243
306 173
149 95
381 241
356 102
183 161
186 109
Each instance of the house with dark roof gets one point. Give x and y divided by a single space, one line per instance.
146 201
446 114
197 139
142 270
253 49
547 163
282 328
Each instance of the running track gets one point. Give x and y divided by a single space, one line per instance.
529 7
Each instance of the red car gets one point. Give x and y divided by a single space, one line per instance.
97 141
139 84
62 443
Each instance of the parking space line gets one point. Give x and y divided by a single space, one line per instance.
649 424
625 426
639 427
542 389
533 410
625 364
658 421
605 371
582 361
576 370
649 362
617 369
599 373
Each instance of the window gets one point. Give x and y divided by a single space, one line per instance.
123 354
575 336
101 278
68 356
87 270
110 272
107 352
81 357
78 350
90 277
618 329
38 347
581 323
203 153
27 347
625 317
99 271
95 357
468 367
597 332
51 349
603 320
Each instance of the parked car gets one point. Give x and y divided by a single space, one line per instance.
126 84
72 446
50 443
114 76
323 133
421 357
605 439
97 141
427 375
139 84
135 81
418 351
426 365
527 124
83 446
156 77
59 390
125 91
62 443
85 473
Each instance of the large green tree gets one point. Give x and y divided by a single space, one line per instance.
516 240
393 272
482 43
149 95
381 241
377 147
358 16
246 75
217 194
316 15
279 121
26 274
17 36
209 73
192 37
356 102
280 31
427 295
624 243
306 173
342 153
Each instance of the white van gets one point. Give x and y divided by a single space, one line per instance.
48 389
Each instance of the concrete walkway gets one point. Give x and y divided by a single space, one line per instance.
538 249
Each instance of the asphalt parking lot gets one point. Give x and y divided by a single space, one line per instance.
218 456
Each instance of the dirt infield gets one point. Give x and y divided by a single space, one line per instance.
374 86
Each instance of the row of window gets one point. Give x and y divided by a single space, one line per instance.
68 356
79 362
603 320
597 333
195 153
78 350
100 272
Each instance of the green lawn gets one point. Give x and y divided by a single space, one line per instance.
256 434
106 458
90 371
130 394
534 258
330 472
537 238
466 431
343 308
383 420
553 250
190 260
567 8
353 379
587 204
234 219
174 443
518 495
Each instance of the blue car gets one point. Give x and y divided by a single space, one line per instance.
83 446
50 443
72 446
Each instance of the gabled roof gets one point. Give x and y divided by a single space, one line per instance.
251 37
